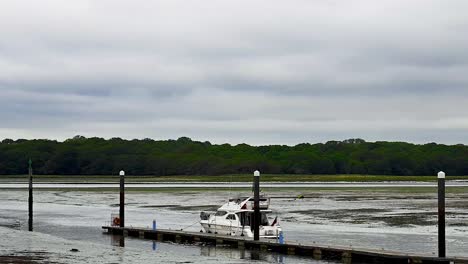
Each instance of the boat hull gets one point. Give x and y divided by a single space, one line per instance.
271 232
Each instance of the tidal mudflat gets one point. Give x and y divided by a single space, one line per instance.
399 219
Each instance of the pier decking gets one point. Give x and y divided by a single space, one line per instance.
345 255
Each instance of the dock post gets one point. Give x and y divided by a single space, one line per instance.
256 205
30 198
122 199
441 194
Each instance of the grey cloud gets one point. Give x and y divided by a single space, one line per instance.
258 72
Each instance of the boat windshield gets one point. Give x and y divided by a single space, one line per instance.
244 219
247 218
220 213
264 220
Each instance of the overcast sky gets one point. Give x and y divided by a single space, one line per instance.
259 72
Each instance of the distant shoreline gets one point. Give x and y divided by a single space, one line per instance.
286 178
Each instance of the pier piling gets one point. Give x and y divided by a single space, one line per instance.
122 199
441 195
30 198
256 205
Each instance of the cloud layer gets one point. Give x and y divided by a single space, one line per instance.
260 72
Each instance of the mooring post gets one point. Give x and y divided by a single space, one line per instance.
122 199
256 205
441 186
154 225
30 198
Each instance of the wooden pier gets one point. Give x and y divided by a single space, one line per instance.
317 252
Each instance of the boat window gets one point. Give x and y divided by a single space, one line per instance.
220 213
231 217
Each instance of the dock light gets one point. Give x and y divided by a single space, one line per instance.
441 175
256 173
122 173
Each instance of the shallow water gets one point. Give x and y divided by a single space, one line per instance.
359 219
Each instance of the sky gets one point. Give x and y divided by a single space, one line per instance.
246 71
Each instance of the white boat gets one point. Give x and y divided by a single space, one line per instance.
235 218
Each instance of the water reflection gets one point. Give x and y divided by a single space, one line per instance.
234 253
255 255
117 240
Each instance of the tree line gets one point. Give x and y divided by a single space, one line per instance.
98 156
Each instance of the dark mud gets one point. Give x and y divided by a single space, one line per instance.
26 258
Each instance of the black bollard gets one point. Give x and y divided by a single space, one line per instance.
441 186
30 198
122 199
256 205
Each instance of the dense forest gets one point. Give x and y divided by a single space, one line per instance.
98 156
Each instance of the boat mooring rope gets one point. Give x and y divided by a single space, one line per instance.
182 229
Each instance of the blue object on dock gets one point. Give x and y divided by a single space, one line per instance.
281 237
154 225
